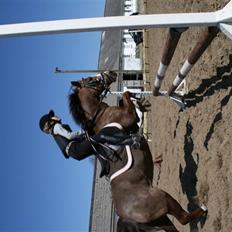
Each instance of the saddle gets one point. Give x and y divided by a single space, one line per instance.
115 136
112 139
104 154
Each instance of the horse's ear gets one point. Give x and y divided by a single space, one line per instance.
75 84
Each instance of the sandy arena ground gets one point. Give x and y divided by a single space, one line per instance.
195 144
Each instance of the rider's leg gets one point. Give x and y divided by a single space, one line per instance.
79 150
82 150
111 135
181 215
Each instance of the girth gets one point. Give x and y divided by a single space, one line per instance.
126 164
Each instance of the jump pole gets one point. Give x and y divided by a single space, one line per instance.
108 23
221 19
58 70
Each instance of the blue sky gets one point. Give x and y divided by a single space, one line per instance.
40 190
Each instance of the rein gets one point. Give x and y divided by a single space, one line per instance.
112 157
97 113
92 144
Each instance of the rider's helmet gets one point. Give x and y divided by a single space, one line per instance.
46 121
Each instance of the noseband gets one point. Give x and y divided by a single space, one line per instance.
99 84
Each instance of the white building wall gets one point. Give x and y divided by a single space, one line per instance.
130 62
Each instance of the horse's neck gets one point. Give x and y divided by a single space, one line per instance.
103 106
90 105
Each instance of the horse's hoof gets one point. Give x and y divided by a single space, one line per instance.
204 208
204 215
155 91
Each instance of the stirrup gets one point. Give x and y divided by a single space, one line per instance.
105 166
136 141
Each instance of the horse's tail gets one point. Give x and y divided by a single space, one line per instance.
127 226
76 109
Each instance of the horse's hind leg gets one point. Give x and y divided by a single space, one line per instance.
181 215
168 225
163 223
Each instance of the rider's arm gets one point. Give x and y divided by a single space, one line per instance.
60 130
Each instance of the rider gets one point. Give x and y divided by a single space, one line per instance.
77 146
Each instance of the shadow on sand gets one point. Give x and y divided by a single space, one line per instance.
188 176
222 80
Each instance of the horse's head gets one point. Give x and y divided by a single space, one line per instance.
100 82
85 96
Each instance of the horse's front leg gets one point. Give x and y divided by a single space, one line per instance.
129 117
126 100
124 114
129 110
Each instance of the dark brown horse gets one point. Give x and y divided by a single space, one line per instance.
139 205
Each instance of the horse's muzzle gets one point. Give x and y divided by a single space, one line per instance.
110 76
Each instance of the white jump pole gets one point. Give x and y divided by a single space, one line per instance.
107 23
58 70
221 19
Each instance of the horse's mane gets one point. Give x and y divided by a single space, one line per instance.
75 109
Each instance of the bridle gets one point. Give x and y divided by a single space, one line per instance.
97 84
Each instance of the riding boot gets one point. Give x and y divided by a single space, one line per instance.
104 150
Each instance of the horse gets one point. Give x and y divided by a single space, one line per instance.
139 205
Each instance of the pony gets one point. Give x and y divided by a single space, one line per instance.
139 205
